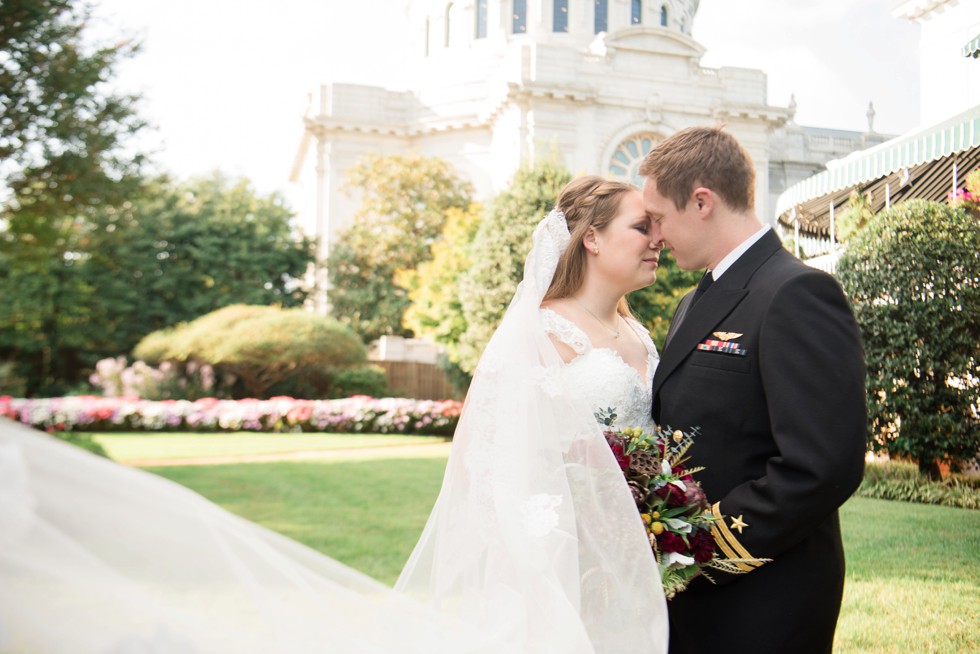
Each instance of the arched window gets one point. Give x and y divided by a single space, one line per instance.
481 19
663 16
601 15
626 160
636 12
449 21
520 17
427 36
560 20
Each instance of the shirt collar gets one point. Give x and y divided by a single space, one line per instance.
733 256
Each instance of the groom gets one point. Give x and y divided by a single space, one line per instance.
765 359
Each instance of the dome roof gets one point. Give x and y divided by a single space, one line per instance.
444 24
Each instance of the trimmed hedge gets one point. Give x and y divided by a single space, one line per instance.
903 482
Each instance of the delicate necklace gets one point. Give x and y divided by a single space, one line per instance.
598 320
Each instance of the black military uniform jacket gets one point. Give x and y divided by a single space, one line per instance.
768 365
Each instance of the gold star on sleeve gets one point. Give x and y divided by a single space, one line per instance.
738 523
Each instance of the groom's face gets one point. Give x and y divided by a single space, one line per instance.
679 227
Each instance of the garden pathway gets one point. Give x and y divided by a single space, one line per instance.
413 451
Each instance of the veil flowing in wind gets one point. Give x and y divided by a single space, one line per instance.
534 544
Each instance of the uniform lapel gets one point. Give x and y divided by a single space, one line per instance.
678 318
717 302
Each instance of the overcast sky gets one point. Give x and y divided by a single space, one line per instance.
225 81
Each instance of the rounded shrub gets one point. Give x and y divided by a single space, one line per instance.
913 276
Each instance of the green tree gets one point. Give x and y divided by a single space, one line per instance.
913 276
499 249
185 249
436 311
177 251
404 200
63 159
856 214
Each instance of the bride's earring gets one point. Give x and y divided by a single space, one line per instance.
595 250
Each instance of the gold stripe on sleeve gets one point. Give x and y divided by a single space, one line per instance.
729 538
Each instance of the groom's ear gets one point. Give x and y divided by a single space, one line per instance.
704 200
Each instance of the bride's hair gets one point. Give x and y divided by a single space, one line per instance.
586 202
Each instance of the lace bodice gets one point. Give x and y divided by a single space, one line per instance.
601 378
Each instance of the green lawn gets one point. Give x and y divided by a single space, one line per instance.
913 580
188 445
367 514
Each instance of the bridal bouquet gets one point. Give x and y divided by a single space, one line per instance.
672 505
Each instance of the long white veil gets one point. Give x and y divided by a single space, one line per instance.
534 544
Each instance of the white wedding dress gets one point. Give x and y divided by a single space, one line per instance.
534 544
600 378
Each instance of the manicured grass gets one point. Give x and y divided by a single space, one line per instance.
366 514
188 445
913 579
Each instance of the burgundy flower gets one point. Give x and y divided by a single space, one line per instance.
703 546
691 496
618 446
694 496
671 495
671 542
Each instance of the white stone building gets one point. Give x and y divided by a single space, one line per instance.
595 83
949 77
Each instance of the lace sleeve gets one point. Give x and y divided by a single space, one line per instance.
565 331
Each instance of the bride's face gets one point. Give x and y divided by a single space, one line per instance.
629 246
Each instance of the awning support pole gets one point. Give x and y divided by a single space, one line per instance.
833 231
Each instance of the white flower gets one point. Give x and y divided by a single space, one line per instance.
677 560
677 525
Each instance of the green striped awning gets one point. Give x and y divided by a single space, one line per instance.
972 49
958 134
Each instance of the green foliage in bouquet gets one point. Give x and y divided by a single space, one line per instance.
913 277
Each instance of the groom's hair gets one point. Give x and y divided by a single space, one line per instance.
702 156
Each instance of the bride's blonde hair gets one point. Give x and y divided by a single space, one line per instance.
586 202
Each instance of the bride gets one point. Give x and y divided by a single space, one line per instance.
534 544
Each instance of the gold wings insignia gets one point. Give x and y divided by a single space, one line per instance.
726 336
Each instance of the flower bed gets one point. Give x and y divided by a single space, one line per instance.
278 414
